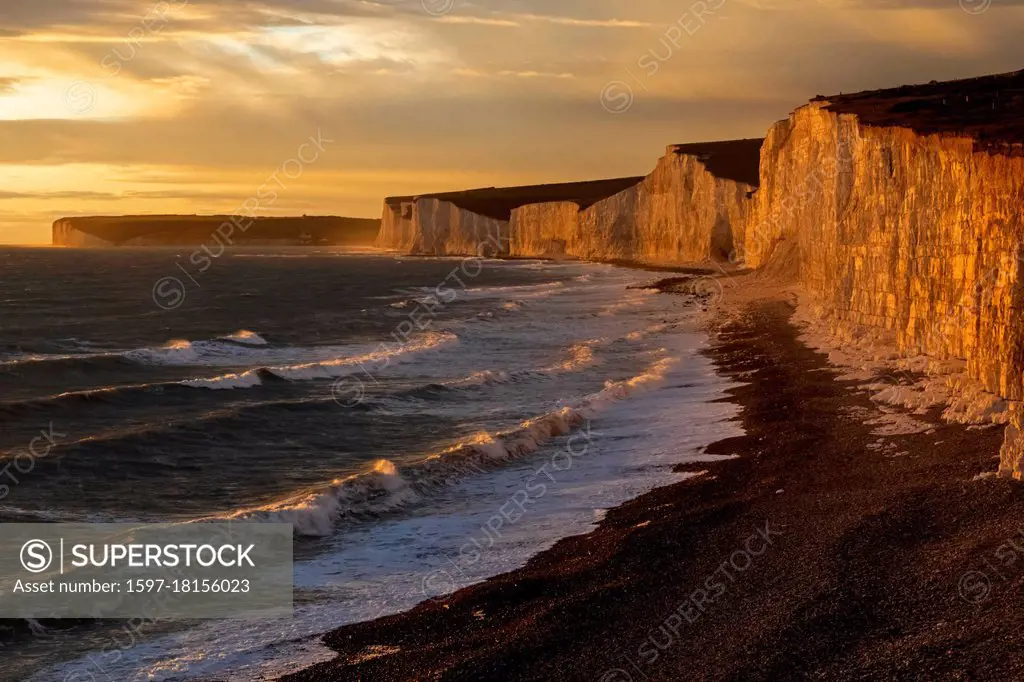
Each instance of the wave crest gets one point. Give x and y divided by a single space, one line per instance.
246 337
380 489
383 488
326 369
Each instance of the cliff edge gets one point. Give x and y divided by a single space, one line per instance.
899 212
476 221
985 109
692 207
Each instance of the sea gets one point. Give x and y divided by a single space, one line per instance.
424 424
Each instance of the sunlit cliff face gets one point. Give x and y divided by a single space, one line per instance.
132 106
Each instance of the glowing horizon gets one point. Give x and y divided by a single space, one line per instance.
186 106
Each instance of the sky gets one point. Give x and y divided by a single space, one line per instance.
111 107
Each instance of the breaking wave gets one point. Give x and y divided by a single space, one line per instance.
246 337
384 487
237 348
326 369
331 368
484 378
434 296
580 355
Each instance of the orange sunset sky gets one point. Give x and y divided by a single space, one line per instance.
187 106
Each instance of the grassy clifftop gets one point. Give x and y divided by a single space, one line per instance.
499 202
986 109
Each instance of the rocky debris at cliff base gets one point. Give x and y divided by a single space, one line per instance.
891 422
918 383
914 391
704 291
668 285
919 386
686 284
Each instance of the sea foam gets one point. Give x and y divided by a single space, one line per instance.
385 488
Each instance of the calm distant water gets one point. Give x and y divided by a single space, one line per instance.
387 407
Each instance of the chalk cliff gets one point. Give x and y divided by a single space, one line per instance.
443 228
397 229
692 207
550 229
475 222
902 212
899 212
66 233
434 226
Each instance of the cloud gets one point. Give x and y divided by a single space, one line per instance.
588 23
508 73
871 5
514 20
477 21
104 110
84 195
48 196
113 16
8 85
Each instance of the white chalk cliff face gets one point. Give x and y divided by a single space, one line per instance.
431 226
550 229
66 234
397 231
446 229
680 213
919 237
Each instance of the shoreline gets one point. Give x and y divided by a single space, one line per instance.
709 268
663 471
811 554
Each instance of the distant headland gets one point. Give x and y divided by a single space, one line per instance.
193 230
